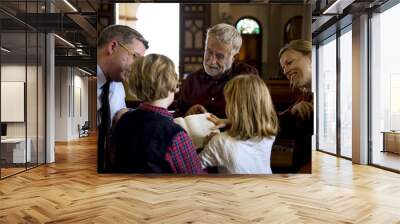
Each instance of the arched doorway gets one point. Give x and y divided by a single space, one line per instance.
293 29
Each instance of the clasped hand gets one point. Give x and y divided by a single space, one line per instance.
303 109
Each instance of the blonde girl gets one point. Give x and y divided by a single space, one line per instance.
245 148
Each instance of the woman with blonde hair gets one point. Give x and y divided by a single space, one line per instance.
295 60
297 121
245 148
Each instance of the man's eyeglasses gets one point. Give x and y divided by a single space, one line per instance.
132 53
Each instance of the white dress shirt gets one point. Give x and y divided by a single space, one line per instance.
252 156
116 94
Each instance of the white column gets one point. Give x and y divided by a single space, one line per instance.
314 90
360 90
50 92
50 97
62 103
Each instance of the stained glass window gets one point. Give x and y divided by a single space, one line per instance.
248 26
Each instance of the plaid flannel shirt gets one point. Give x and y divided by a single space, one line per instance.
181 154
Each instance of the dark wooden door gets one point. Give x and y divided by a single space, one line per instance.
250 52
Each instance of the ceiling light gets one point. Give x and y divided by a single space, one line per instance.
70 5
84 71
65 41
337 7
79 51
5 50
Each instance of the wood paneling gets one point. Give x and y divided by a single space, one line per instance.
194 22
282 95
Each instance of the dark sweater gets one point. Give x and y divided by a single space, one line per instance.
140 141
201 88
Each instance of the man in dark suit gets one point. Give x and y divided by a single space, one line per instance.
117 47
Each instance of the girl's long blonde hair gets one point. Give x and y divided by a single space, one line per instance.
249 108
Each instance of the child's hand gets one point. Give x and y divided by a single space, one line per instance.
219 123
209 137
196 109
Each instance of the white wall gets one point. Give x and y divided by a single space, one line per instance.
167 15
71 102
16 73
33 126
61 103
80 111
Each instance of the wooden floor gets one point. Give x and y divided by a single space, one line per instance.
387 159
10 171
70 191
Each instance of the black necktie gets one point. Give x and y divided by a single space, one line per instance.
104 130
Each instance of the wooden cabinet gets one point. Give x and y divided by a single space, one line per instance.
391 141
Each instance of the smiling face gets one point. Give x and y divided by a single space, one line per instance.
123 56
217 57
297 68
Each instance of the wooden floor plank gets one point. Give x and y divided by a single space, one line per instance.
71 191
